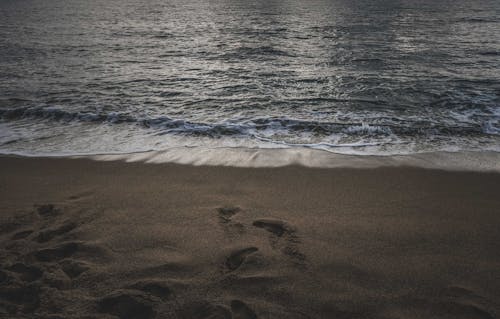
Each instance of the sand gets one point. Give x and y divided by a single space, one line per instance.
89 239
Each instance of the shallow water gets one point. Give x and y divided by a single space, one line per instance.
359 77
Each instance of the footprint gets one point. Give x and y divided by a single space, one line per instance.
7 227
24 296
16 223
283 237
225 213
292 250
237 258
47 235
73 268
47 210
126 304
56 278
275 226
241 311
22 234
231 227
59 252
26 273
156 288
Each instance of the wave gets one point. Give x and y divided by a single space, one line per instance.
265 127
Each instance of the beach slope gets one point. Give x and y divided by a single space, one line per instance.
90 239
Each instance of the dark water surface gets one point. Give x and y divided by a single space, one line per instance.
365 76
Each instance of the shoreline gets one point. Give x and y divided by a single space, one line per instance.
485 161
85 238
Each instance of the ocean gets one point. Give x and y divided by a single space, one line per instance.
364 77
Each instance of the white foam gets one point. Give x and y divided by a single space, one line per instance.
247 157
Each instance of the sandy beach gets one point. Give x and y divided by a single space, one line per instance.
90 239
250 159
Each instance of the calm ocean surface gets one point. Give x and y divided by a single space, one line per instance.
362 76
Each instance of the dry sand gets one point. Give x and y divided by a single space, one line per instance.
87 239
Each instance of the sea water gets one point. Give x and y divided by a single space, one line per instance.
354 77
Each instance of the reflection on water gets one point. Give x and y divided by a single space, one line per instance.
349 76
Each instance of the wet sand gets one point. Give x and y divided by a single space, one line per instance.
89 239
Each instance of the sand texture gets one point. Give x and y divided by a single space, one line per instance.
88 239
